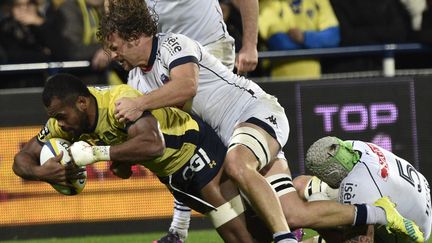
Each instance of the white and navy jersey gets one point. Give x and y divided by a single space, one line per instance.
201 20
381 173
223 98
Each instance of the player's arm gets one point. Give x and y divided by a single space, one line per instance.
247 58
27 166
182 87
145 142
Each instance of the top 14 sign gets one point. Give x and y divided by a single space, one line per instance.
382 112
369 116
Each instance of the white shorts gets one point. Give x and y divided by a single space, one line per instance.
224 50
270 115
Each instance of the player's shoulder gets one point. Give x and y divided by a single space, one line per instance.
174 42
107 95
50 130
123 90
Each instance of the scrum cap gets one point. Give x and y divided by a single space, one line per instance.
331 159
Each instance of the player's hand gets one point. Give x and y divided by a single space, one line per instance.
127 109
246 60
82 153
122 170
54 172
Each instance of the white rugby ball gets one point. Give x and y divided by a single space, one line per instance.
52 148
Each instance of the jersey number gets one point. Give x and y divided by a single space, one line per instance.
407 174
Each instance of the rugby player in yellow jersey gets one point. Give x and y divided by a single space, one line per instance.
184 152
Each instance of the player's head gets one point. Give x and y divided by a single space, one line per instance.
331 159
123 26
67 100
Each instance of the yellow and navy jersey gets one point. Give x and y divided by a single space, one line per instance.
108 129
180 130
182 136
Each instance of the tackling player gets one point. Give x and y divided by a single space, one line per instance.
364 172
175 70
203 21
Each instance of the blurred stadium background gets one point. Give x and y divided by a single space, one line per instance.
389 105
391 111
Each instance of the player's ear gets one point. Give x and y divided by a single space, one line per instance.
82 103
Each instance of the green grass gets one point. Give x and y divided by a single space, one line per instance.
195 236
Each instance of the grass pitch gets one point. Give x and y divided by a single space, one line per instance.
195 236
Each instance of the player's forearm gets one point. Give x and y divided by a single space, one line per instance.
174 93
25 167
249 14
138 149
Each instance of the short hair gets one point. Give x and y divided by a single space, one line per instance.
65 87
129 19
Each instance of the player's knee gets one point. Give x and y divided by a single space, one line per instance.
300 182
237 166
251 146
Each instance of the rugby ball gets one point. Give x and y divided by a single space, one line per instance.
52 148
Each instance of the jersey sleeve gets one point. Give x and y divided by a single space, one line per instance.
52 130
178 49
118 92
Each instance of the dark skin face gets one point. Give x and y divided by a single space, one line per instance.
72 118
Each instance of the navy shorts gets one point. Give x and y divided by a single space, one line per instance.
202 167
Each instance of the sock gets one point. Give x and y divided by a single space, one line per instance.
181 220
361 214
376 215
367 214
284 237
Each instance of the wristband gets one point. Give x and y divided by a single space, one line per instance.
101 153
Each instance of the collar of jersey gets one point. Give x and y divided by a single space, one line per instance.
92 129
152 54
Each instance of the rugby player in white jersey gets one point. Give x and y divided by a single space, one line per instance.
175 70
203 21
363 172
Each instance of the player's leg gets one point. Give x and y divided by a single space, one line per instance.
178 230
228 218
251 148
254 143
223 50
304 214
